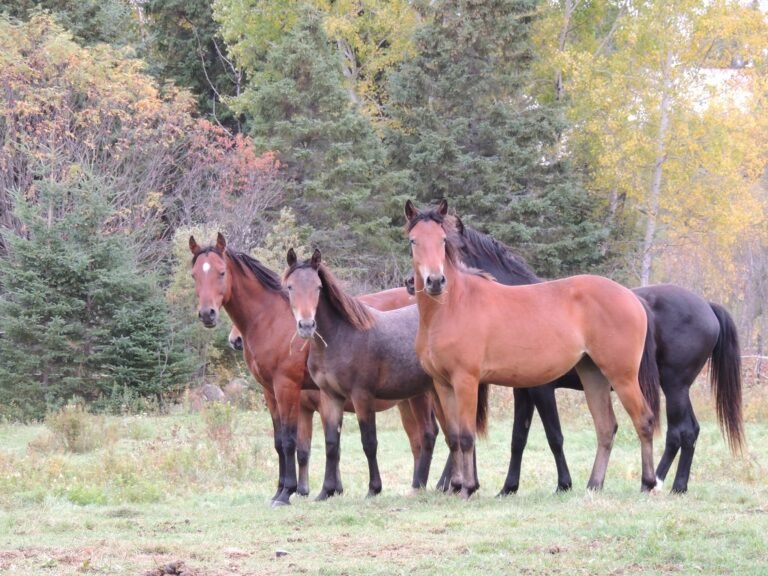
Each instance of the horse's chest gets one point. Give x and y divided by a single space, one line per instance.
325 377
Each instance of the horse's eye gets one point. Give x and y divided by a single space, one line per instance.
289 287
221 274
411 241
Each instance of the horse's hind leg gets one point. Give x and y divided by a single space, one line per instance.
269 397
444 483
688 438
426 428
524 406
411 428
628 391
546 404
682 427
366 418
597 391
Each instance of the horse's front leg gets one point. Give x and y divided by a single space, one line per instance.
366 418
287 394
332 414
304 446
465 388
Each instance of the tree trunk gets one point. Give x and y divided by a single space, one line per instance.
655 192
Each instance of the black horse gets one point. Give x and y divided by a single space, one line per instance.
688 330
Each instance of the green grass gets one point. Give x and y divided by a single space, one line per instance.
165 490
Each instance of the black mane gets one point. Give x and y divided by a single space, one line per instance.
485 252
264 275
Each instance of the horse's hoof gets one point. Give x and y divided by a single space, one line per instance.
466 494
324 495
562 488
507 491
279 503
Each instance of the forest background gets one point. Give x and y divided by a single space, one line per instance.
623 138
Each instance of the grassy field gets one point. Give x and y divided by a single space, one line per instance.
195 488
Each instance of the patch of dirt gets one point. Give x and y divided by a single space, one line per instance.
176 568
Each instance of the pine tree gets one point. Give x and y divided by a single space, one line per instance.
330 153
78 318
464 128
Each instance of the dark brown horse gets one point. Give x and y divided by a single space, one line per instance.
258 306
310 403
356 353
688 331
473 330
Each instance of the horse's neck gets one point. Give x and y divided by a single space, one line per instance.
250 304
330 323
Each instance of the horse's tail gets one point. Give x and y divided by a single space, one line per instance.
481 420
649 370
725 379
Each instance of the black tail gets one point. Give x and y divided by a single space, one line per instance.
649 370
481 421
725 379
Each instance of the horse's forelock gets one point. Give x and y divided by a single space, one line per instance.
206 250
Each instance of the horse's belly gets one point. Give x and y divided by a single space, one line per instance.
528 370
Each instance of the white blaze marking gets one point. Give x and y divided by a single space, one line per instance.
206 267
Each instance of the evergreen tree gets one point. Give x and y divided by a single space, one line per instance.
92 21
185 48
464 128
77 317
330 153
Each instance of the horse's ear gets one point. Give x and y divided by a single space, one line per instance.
315 261
220 242
410 210
459 225
291 257
442 207
193 247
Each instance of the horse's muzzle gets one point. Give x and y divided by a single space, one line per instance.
306 328
209 317
236 343
434 284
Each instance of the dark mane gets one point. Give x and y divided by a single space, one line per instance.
266 277
485 252
350 309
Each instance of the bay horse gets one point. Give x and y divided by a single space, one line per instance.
258 306
358 353
310 403
689 331
473 330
